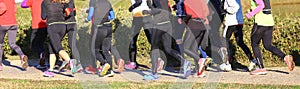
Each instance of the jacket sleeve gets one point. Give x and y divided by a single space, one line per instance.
260 6
136 4
232 6
43 13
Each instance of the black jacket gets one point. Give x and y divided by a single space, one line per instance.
52 11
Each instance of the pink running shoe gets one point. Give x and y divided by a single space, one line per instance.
259 72
48 73
130 65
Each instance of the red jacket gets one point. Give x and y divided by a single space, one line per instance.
196 8
9 17
35 6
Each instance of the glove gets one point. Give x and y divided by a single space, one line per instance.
24 5
174 7
68 11
86 20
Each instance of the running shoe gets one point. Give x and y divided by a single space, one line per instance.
252 65
105 68
73 63
130 65
79 68
48 73
24 61
160 64
259 72
63 65
201 63
121 65
90 70
186 69
289 62
109 74
151 77
225 67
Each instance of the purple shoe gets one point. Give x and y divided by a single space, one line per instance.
48 74
130 65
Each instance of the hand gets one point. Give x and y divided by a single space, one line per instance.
179 20
248 15
86 20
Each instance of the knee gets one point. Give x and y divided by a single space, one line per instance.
268 47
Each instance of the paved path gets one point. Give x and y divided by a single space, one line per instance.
275 76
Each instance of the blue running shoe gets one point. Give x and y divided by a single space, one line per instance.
151 77
186 69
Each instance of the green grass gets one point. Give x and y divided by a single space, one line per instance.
26 84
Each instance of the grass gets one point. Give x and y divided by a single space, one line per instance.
25 84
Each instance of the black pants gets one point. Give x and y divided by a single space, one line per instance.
72 31
137 24
103 43
56 33
263 33
12 34
158 37
238 34
38 38
193 39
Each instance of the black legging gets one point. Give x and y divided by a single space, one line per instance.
72 32
263 33
137 24
38 38
193 39
160 36
238 34
12 34
56 33
103 43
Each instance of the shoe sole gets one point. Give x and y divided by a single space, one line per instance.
261 73
104 70
48 76
25 64
74 69
121 66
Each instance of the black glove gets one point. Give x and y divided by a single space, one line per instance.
186 18
174 7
